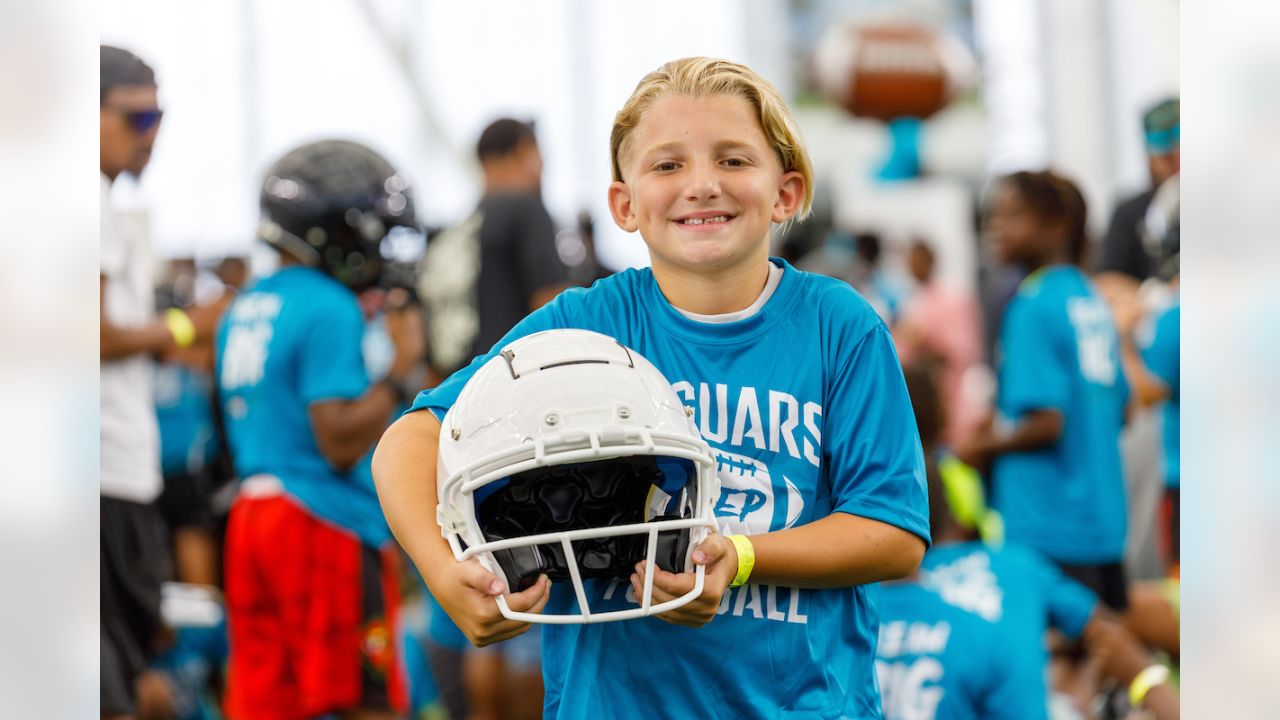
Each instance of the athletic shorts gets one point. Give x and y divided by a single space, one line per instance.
134 551
311 614
1107 580
186 502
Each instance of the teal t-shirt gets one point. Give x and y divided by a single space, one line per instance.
940 661
1021 592
806 409
1058 350
292 339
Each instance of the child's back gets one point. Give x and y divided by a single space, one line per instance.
1066 500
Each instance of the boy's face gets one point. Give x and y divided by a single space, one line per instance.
703 185
1015 234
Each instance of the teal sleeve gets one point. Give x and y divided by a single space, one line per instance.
872 444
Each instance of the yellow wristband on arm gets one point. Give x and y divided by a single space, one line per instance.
746 559
1142 684
180 327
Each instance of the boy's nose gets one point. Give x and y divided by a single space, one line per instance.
704 183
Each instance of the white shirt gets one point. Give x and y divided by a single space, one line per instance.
130 437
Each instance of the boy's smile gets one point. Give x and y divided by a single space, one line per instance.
709 219
703 185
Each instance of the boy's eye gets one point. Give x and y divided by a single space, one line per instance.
735 162
665 166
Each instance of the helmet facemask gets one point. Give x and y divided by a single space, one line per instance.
578 496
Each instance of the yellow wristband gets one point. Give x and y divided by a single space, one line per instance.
746 559
180 327
1142 684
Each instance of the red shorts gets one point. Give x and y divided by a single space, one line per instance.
311 614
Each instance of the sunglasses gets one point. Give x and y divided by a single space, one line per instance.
142 120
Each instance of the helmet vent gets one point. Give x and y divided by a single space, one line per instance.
574 362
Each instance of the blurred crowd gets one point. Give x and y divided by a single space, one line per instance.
1054 566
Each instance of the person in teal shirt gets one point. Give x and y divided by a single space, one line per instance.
1053 445
311 572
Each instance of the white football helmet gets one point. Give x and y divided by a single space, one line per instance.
569 454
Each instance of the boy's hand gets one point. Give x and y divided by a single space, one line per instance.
469 594
721 561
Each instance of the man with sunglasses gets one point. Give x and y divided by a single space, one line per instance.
134 542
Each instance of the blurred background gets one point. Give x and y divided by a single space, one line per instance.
1059 84
1016 84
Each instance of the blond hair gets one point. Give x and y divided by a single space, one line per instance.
703 77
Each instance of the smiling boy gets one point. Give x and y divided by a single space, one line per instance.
792 379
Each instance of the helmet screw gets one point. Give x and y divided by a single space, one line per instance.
688 411
552 419
624 413
455 433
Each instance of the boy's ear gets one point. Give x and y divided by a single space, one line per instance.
790 196
620 206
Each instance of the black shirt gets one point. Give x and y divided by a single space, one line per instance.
517 257
1122 249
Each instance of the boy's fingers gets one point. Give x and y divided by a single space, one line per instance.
667 586
542 601
477 578
672 584
690 615
711 549
675 617
534 596
659 595
531 600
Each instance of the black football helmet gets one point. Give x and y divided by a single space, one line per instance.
331 204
